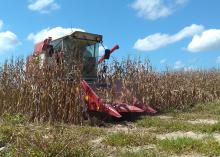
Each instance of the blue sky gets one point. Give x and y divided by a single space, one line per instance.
180 34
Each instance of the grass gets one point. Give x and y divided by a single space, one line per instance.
179 120
129 139
47 140
171 125
141 153
14 119
208 110
19 137
6 135
186 145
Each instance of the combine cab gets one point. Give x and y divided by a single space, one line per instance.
84 47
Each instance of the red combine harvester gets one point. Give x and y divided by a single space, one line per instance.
54 51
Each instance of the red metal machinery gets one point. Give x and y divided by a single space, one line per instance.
90 43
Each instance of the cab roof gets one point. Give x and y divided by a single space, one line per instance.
83 36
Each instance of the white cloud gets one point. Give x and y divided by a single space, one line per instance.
8 40
43 6
189 68
178 65
159 40
55 33
1 24
163 61
154 9
218 60
207 41
101 50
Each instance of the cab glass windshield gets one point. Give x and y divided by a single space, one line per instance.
90 61
92 50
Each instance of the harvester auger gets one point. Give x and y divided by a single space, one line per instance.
54 51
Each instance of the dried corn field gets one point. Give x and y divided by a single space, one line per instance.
49 96
169 89
40 94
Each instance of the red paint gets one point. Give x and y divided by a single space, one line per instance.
38 48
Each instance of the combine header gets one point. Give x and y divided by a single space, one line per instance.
56 51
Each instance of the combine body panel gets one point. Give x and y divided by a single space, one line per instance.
85 46
38 48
